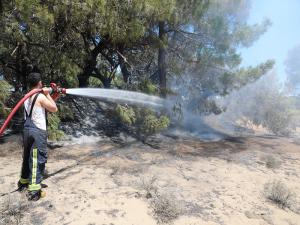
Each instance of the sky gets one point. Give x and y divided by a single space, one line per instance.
282 36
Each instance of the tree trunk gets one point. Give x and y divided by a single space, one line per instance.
124 69
162 70
1 7
86 73
91 64
107 83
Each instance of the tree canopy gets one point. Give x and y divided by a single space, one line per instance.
129 43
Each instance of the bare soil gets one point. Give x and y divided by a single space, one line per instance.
181 181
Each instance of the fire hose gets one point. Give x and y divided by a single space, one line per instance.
56 91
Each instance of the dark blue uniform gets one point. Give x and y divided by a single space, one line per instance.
35 152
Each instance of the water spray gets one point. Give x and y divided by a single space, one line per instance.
121 96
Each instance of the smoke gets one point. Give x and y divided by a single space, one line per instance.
293 70
192 102
239 9
199 102
247 102
262 104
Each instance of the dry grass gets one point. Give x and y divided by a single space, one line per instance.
13 209
10 147
165 208
280 194
149 186
271 162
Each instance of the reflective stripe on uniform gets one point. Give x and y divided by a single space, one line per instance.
34 165
24 181
33 186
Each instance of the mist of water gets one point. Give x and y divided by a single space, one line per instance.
119 96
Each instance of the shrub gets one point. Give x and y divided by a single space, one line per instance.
271 161
165 208
143 122
274 112
279 193
95 82
118 82
278 121
148 87
4 90
3 110
126 114
263 103
149 186
148 123
4 94
65 113
54 133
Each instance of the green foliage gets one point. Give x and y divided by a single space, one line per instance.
4 90
246 35
95 82
126 114
68 71
60 37
150 124
4 94
65 113
118 82
54 133
145 122
241 77
117 41
148 87
3 111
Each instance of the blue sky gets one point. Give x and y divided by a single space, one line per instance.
282 36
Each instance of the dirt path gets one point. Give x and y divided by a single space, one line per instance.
182 181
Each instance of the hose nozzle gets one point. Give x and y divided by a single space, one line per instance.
57 89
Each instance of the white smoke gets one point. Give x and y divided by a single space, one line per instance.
264 104
240 9
293 70
189 107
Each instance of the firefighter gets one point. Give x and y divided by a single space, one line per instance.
35 138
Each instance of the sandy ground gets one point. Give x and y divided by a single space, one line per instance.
199 183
